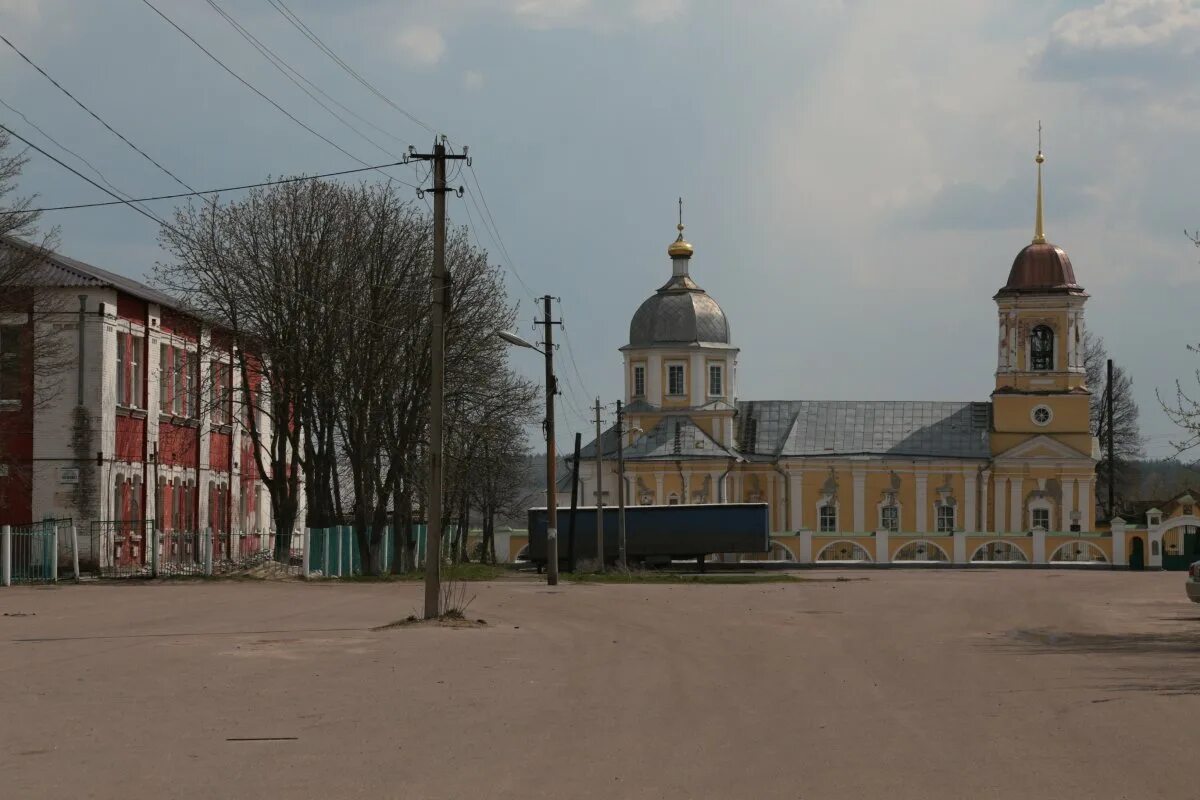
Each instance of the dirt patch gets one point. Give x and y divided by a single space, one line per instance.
444 621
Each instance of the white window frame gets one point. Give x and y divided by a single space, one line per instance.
718 369
682 367
882 525
639 372
1041 504
938 508
821 506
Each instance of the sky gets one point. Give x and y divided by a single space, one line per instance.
857 176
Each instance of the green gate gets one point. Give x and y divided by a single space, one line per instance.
1181 546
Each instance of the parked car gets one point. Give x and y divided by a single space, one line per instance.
1193 582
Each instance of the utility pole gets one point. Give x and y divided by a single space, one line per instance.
551 390
620 486
574 502
599 492
1111 465
438 301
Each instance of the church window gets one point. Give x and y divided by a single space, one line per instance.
828 518
889 518
1041 518
1041 348
639 380
945 519
1041 415
715 382
675 380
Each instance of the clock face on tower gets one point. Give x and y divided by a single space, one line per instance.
1041 415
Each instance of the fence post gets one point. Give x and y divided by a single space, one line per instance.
6 555
54 557
306 559
340 532
154 557
207 544
75 551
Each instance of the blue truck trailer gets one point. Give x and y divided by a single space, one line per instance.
656 533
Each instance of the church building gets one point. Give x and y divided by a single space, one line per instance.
1010 478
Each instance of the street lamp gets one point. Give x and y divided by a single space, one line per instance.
551 504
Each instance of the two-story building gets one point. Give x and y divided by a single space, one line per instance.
144 424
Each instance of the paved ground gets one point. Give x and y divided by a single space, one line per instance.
908 684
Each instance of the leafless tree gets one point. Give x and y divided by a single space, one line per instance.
1125 432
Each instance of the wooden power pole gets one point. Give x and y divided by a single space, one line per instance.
599 492
551 457
438 301
620 486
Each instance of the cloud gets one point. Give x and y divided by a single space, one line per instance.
1124 44
421 44
605 15
472 80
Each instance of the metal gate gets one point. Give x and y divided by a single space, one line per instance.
31 552
120 548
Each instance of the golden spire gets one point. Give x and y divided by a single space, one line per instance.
1039 231
680 247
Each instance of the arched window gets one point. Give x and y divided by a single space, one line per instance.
1041 348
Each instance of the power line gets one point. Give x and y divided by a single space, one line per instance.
66 149
254 89
149 215
285 68
196 193
94 115
308 33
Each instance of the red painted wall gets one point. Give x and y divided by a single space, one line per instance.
178 324
16 448
177 445
131 437
218 451
131 308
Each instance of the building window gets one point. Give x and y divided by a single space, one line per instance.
945 519
1041 518
1041 348
177 381
828 518
675 383
10 362
639 380
716 386
889 518
219 393
129 370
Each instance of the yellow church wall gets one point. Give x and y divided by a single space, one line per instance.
1104 543
1011 412
823 542
1021 542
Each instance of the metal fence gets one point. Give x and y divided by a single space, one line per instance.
334 552
134 549
30 553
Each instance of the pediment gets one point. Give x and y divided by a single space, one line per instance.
1038 448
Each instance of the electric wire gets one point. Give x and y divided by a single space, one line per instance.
309 34
95 116
258 92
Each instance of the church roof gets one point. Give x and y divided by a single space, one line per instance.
676 436
774 428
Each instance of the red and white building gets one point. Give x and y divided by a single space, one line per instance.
145 423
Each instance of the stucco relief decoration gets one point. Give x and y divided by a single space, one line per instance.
644 492
945 492
889 496
702 494
754 493
829 490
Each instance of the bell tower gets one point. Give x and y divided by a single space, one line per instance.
1040 376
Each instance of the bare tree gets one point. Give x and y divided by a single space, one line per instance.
1125 432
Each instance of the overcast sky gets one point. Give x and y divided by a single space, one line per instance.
857 176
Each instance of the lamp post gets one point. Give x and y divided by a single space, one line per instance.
551 505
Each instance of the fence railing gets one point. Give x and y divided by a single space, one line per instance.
30 553
334 552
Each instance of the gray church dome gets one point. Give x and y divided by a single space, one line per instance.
677 314
680 312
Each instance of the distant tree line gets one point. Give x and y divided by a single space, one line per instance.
325 289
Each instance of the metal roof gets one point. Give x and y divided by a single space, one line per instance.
678 314
60 271
895 428
674 437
